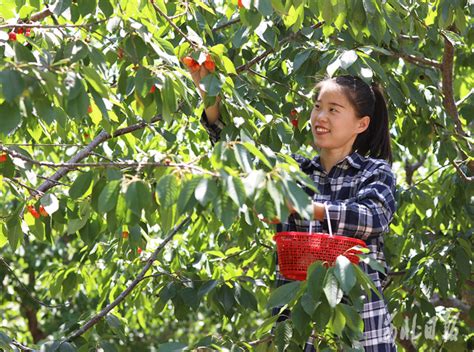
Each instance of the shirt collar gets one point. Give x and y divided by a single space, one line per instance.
354 159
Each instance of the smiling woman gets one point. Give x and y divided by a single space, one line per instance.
349 123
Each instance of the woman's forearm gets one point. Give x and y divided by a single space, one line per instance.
212 112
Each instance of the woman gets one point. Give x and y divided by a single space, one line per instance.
352 173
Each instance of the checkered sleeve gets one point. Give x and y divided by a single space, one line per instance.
368 213
213 129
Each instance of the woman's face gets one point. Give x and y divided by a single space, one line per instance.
334 122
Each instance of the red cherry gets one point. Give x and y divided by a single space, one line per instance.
12 36
33 211
153 89
89 110
125 234
3 157
294 122
139 250
19 30
43 211
27 32
294 112
209 64
192 64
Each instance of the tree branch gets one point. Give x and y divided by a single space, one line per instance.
411 168
101 137
448 91
267 52
94 320
20 346
407 345
418 60
71 166
40 15
227 24
38 25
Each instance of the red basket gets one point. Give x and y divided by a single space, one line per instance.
298 250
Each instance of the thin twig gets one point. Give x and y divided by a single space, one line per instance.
57 26
123 164
20 346
260 341
276 82
418 60
227 24
94 320
4 263
175 27
32 191
461 172
467 96
267 52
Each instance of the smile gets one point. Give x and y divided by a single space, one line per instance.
321 130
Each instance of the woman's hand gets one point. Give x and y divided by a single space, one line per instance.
318 209
197 74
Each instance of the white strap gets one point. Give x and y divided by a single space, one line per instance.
328 218
326 208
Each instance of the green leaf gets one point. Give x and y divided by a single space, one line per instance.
5 341
243 158
257 153
167 190
299 198
205 191
59 6
316 275
172 347
168 97
186 197
81 185
66 347
207 287
441 276
264 7
331 289
228 65
137 196
211 84
374 264
225 296
353 319
284 294
108 196
225 210
247 300
50 203
338 321
95 81
283 333
236 190
345 273
135 48
10 118
301 320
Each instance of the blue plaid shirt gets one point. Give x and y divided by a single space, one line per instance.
359 194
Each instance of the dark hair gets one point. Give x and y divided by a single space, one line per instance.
367 100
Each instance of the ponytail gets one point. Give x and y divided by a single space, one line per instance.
375 140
